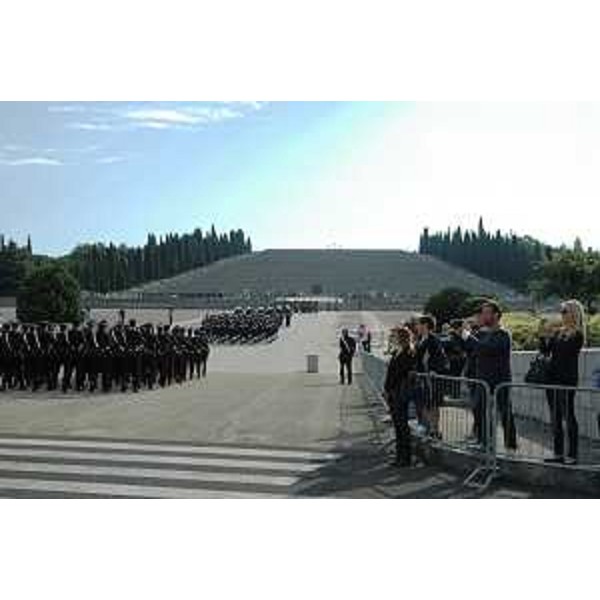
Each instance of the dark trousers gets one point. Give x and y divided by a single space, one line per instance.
345 368
507 419
562 408
67 373
399 413
504 410
478 402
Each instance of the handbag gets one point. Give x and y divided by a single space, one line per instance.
539 370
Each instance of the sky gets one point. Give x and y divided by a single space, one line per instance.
297 174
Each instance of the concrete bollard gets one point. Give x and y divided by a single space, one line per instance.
312 363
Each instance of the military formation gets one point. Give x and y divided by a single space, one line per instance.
98 357
246 326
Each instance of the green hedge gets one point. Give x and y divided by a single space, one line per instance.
525 328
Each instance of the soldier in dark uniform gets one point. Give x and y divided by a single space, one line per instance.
105 359
134 347
91 357
63 357
150 356
165 349
204 352
5 357
288 316
119 356
49 359
34 369
200 351
17 338
76 359
179 359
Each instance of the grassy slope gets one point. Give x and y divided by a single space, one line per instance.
337 271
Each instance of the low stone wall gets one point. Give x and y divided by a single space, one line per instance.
589 362
532 403
529 403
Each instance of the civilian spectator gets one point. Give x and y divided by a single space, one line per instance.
562 346
431 358
491 348
398 385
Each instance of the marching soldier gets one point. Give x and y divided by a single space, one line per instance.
134 348
104 356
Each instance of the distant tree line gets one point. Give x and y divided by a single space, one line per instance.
506 258
570 273
108 267
14 261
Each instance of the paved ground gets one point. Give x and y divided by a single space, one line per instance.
259 426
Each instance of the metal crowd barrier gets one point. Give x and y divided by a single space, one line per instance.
550 418
456 412
520 421
447 411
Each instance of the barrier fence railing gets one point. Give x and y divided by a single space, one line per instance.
520 421
550 421
448 411
455 412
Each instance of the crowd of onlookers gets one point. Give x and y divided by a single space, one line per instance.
477 350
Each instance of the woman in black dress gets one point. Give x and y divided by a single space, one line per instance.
563 347
397 388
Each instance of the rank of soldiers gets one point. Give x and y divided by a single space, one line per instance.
96 356
245 326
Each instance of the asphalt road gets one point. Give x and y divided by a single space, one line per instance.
258 426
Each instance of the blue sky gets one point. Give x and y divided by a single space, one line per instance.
295 174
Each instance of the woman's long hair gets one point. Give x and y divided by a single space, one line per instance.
404 340
575 308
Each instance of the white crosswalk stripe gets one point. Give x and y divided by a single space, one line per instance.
68 467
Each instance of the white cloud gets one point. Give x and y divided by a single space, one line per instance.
66 108
91 126
35 160
153 125
110 160
163 116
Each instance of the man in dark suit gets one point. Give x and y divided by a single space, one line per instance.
491 346
347 351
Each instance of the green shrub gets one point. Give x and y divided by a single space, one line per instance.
446 304
526 327
49 293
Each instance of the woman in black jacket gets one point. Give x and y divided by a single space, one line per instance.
563 347
398 382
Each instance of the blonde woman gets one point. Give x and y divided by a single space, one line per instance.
563 346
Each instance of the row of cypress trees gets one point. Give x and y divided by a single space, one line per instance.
506 258
107 267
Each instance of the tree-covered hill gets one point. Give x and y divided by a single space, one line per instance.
107 267
507 258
